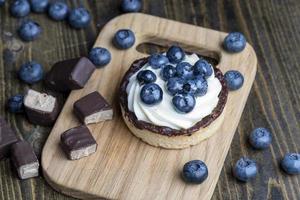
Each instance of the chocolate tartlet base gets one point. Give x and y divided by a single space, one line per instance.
163 130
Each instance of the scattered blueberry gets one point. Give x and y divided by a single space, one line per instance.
31 72
291 163
151 94
39 6
184 70
245 169
2 2
15 104
131 5
234 79
201 85
100 56
168 72
234 42
195 171
175 54
58 11
146 76
79 18
157 61
175 85
202 67
189 87
260 138
29 31
124 39
20 8
184 103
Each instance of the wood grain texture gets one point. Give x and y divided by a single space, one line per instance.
271 26
124 167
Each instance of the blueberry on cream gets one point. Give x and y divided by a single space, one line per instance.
168 72
175 54
184 103
175 85
184 70
202 67
146 76
158 61
151 94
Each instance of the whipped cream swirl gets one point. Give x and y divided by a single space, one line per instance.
164 114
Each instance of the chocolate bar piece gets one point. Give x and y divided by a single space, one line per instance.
70 74
78 142
7 138
93 108
41 108
24 160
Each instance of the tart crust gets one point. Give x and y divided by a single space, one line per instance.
166 137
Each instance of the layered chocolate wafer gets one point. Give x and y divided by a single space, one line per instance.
69 74
78 142
41 109
93 108
7 138
24 160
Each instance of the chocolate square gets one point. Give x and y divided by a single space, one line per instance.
92 108
7 138
70 74
24 160
78 142
35 104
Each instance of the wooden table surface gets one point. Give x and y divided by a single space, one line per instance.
271 26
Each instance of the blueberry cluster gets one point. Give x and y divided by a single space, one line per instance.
184 81
30 30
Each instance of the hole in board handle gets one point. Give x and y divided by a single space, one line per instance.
162 46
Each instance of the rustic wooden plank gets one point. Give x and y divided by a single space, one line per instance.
272 27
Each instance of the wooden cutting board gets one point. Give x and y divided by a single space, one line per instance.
123 166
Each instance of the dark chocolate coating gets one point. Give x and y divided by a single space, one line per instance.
69 74
43 118
76 138
22 154
163 130
7 138
90 104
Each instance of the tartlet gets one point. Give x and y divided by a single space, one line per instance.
164 136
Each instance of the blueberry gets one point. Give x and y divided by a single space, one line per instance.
184 70
175 54
189 87
291 163
146 76
31 72
131 5
184 103
157 61
2 2
20 8
195 171
15 104
58 11
234 80
175 85
39 6
168 72
79 18
151 94
29 31
124 39
100 56
201 84
260 138
202 67
245 169
234 42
